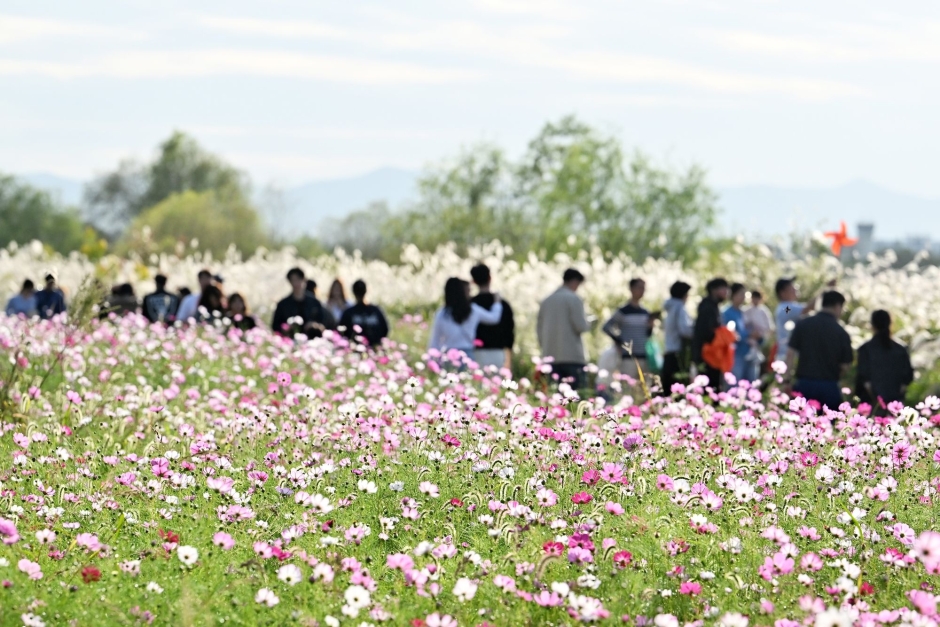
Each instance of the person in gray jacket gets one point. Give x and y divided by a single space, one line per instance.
678 330
561 322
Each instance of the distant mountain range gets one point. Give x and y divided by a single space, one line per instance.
755 210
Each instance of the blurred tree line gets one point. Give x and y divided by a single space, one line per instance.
574 187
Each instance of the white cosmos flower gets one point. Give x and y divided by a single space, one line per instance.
266 597
367 486
187 554
356 596
464 589
290 574
320 504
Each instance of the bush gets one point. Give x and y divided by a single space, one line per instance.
217 221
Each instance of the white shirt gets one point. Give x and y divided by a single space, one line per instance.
447 333
189 307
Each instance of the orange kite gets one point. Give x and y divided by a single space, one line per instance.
839 239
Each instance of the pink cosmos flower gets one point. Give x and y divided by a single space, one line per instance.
223 540
691 588
548 599
283 379
32 569
925 602
126 478
436 620
8 531
927 549
546 497
622 559
426 487
614 508
811 562
400 561
590 477
504 583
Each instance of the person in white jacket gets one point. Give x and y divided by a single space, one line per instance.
455 325
678 329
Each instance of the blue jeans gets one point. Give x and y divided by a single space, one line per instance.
828 393
745 370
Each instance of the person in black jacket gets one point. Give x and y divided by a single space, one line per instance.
708 320
160 306
884 366
495 341
300 311
363 320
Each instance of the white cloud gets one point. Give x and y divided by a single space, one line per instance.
15 29
548 47
279 28
133 64
327 132
545 9
843 42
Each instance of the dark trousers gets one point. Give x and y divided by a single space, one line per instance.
671 369
715 378
573 374
828 393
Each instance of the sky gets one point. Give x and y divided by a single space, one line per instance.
793 93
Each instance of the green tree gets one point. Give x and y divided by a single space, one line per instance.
27 214
367 230
115 199
215 220
579 189
468 201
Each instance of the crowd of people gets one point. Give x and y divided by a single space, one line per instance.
300 312
734 339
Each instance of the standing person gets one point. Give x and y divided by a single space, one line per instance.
561 321
678 329
302 304
733 318
189 306
329 321
629 328
364 320
122 301
49 300
822 351
455 325
789 311
237 313
160 305
884 366
758 321
336 302
23 303
494 341
708 320
210 304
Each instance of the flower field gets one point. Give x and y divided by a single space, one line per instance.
205 477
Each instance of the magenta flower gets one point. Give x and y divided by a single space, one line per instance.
691 588
580 498
283 379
